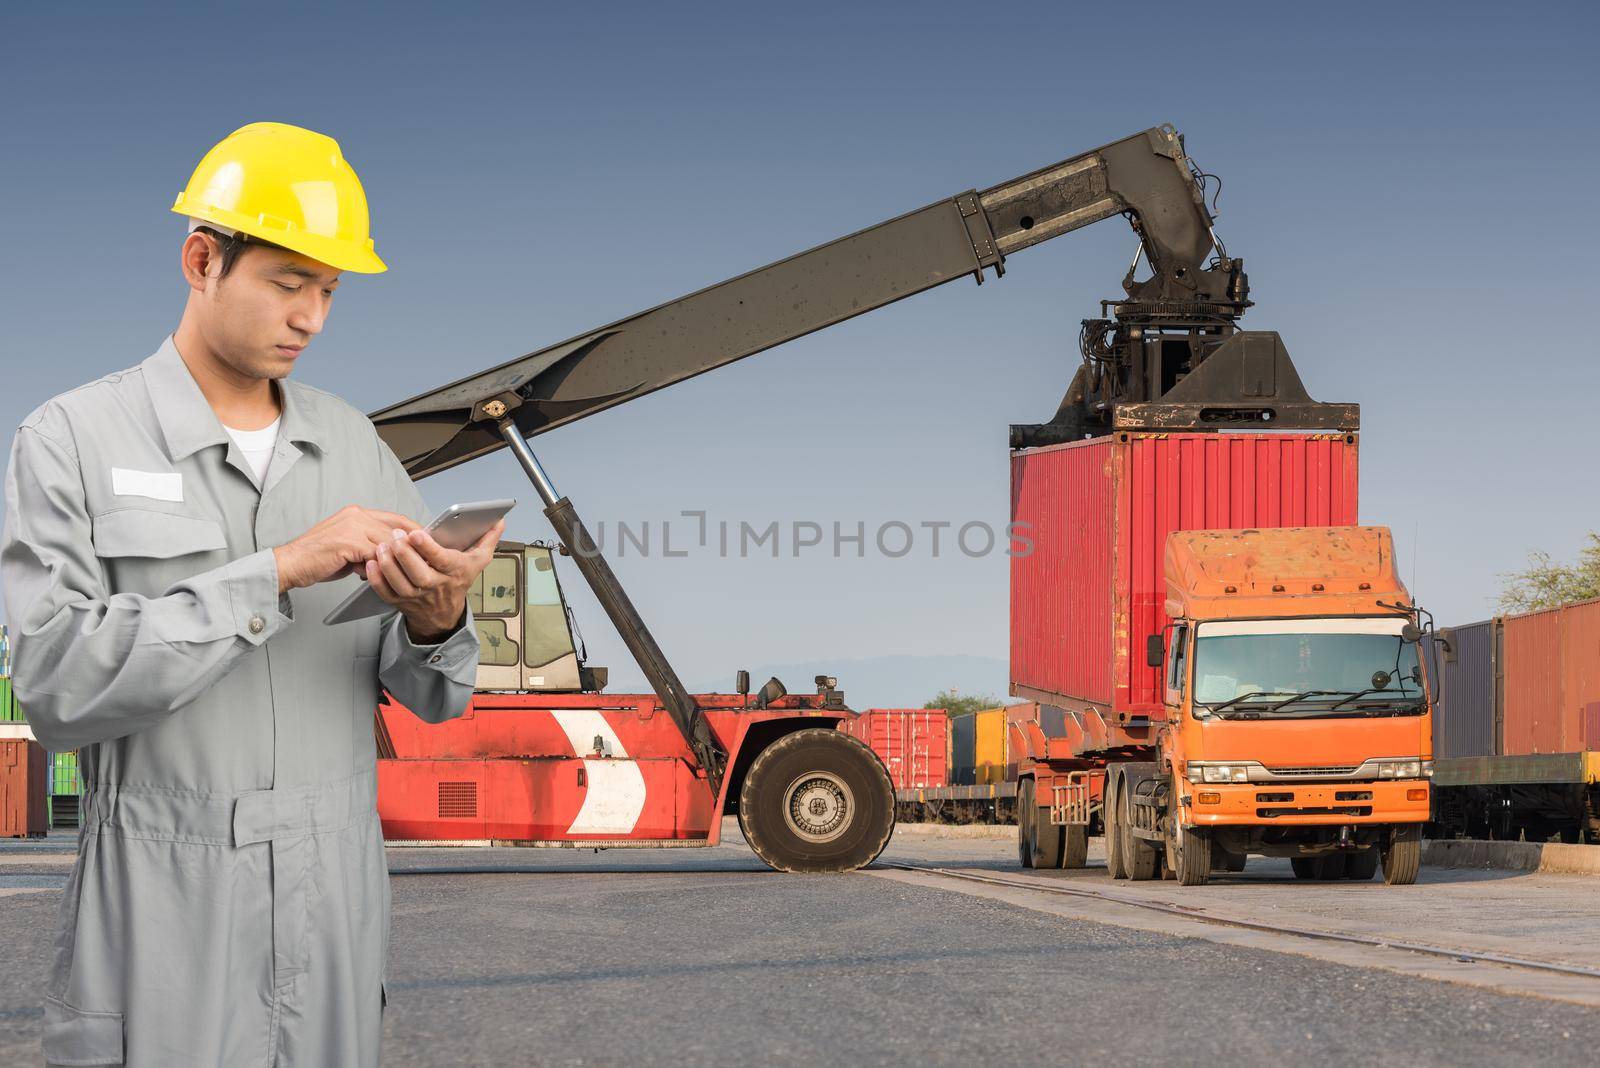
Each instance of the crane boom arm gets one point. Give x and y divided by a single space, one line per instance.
1171 358
1145 176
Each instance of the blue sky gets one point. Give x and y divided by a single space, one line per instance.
1409 185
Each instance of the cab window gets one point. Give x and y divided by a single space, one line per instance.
1177 660
494 593
545 637
495 646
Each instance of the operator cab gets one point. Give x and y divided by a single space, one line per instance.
526 640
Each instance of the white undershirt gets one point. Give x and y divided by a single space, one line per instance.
257 446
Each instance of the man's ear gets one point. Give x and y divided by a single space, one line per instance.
200 260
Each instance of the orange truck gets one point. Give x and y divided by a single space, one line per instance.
1266 695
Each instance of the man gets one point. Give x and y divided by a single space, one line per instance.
175 534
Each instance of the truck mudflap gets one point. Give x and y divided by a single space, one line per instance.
1300 804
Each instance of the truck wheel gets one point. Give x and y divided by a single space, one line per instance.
1047 838
817 801
1222 860
1304 867
1138 855
1361 866
1330 866
1025 817
1402 857
1075 847
1112 818
1194 856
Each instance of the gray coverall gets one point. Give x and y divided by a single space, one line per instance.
230 901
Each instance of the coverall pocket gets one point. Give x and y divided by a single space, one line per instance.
74 1036
155 535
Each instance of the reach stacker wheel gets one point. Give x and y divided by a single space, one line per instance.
817 801
1402 857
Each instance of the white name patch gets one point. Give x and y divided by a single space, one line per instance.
156 485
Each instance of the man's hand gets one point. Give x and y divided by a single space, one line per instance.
339 545
428 582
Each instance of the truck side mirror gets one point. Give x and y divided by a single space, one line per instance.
1155 651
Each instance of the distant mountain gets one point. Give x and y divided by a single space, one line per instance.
881 681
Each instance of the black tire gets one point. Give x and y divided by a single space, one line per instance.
1222 860
1047 838
1194 856
1361 866
1138 855
1402 857
1304 867
817 801
1112 818
1330 866
1049 844
1026 814
1075 847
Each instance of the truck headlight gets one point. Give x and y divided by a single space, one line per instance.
1224 773
1403 769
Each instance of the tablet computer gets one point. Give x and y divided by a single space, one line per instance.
457 527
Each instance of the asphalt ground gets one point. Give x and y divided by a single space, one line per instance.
703 957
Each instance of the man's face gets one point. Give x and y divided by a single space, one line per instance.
265 311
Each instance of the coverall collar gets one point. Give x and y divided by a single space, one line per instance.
189 424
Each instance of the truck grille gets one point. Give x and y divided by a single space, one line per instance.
1314 771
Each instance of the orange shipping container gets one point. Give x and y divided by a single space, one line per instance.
1551 679
1580 674
24 788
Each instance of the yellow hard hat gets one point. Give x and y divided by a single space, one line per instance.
289 186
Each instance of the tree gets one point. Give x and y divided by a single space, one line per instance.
1546 583
957 704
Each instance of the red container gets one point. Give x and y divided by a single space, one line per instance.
24 788
1551 679
913 743
1580 677
1098 513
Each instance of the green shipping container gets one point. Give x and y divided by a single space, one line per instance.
64 788
9 712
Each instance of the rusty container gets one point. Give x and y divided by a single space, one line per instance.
1087 567
913 743
1532 684
24 788
1461 675
1580 676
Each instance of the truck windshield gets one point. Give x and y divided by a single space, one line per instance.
1305 667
